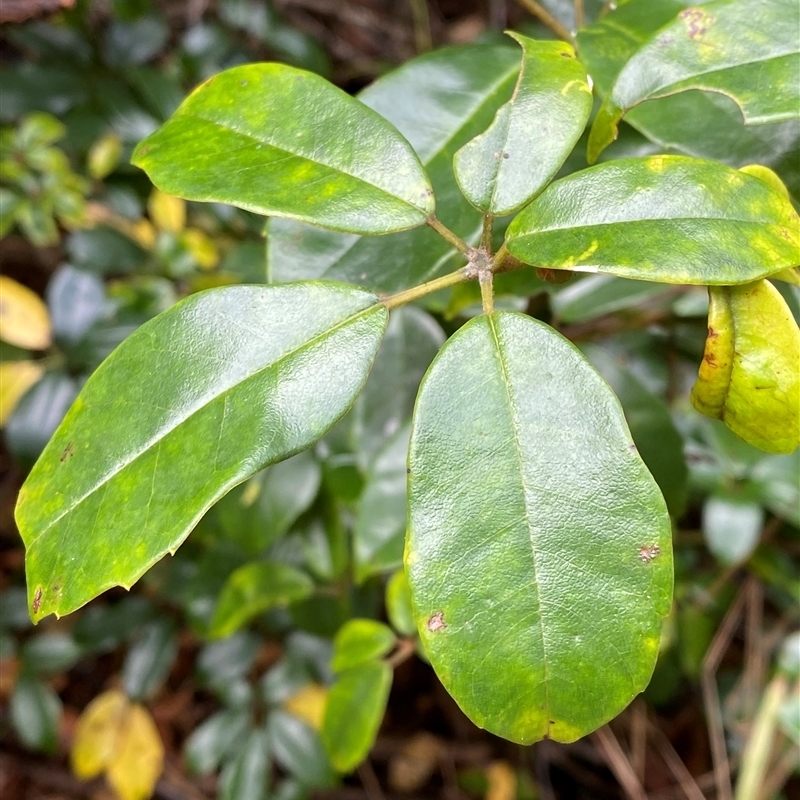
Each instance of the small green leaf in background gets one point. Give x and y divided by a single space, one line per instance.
360 640
76 299
228 381
253 589
104 250
531 135
353 713
221 735
750 373
247 775
669 219
398 604
298 749
284 142
149 660
539 548
743 48
35 713
438 101
51 653
731 527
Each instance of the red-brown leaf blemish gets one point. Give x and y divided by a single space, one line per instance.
68 453
712 334
648 552
696 20
436 622
37 600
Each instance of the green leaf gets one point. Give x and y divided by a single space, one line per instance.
439 102
220 735
538 553
224 383
701 124
353 713
254 588
247 775
531 135
398 604
35 713
750 373
298 749
149 660
746 49
731 527
280 141
669 219
380 526
658 441
360 640
104 250
76 300
51 653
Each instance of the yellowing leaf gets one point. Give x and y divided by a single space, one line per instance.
502 781
144 233
119 738
104 155
134 769
167 212
24 321
201 247
308 704
96 734
768 176
16 377
750 374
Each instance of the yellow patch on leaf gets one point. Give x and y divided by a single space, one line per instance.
24 320
119 738
308 704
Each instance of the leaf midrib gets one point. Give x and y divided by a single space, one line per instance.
162 434
646 219
333 167
516 437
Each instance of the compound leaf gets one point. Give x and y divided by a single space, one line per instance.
538 551
220 385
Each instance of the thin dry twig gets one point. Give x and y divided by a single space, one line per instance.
369 780
618 763
638 738
422 25
676 766
781 771
546 18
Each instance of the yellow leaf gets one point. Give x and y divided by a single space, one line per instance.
24 321
308 704
768 176
96 734
203 250
104 155
167 212
139 759
502 781
16 377
144 233
750 374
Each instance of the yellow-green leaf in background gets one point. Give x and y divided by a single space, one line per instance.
167 212
16 377
24 321
104 155
202 248
309 704
750 373
119 738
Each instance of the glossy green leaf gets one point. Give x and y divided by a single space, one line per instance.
750 373
654 434
668 219
253 589
412 339
35 713
104 250
76 300
223 662
381 514
149 660
284 142
398 604
746 49
439 102
353 713
298 749
229 381
219 736
531 135
359 641
51 653
731 527
538 553
247 775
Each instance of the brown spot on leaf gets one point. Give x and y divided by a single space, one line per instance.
648 552
68 453
710 358
144 151
506 155
697 21
712 334
436 622
37 600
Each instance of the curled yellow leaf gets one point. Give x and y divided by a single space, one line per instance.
16 377
167 212
750 373
96 734
24 320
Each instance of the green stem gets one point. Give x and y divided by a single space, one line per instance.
406 296
487 291
546 18
579 15
422 25
448 235
486 236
